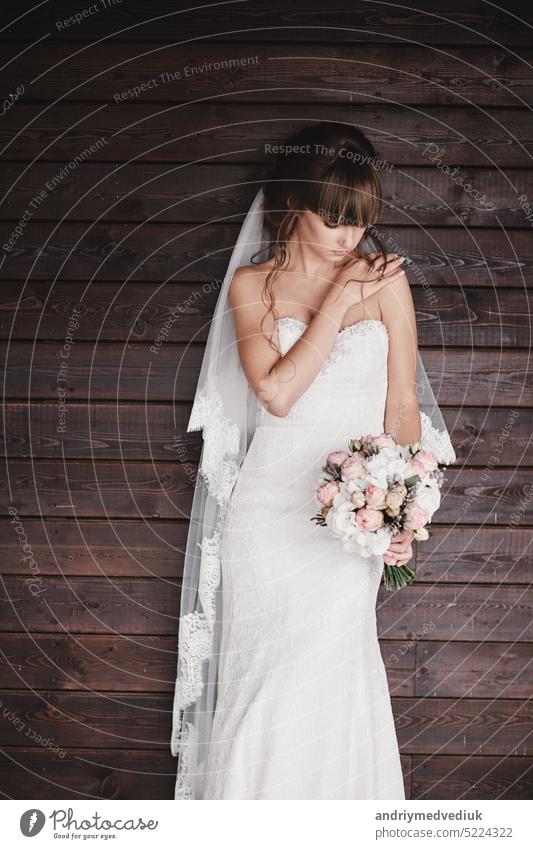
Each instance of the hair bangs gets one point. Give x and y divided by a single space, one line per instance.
350 194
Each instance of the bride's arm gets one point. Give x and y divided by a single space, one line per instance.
402 413
277 381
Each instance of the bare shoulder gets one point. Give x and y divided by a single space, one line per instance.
247 283
396 304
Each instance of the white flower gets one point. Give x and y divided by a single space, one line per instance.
340 517
427 495
387 466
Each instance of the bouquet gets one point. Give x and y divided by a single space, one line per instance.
374 491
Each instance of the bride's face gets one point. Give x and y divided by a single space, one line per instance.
324 237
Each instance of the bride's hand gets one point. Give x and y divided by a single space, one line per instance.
401 547
358 279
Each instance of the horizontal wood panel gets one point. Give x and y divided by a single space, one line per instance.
129 606
145 549
123 548
88 662
238 132
92 606
170 252
37 773
269 73
107 663
135 432
145 665
114 720
485 554
86 489
457 726
111 371
471 777
196 192
139 721
438 22
84 773
495 670
467 613
470 317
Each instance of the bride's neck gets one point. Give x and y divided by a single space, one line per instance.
303 260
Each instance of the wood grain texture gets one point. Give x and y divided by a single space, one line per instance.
270 73
223 132
456 21
201 192
454 316
148 192
130 252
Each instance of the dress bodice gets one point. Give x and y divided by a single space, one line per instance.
350 390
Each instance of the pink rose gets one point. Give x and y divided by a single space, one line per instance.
337 457
368 519
428 459
384 440
417 468
353 467
415 517
376 496
327 492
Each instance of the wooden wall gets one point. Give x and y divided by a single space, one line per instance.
145 197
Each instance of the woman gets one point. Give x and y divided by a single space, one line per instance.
282 691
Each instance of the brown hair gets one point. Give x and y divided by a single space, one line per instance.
326 168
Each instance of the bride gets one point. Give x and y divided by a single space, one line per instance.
281 691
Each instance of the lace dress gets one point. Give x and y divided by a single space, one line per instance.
303 706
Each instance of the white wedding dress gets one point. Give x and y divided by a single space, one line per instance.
303 707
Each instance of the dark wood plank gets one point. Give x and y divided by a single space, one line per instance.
188 193
165 252
131 606
266 72
488 555
89 662
84 773
137 549
116 663
472 777
164 490
50 488
238 132
135 432
457 726
91 606
146 549
453 22
126 432
141 721
114 720
471 317
466 613
169 373
488 670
